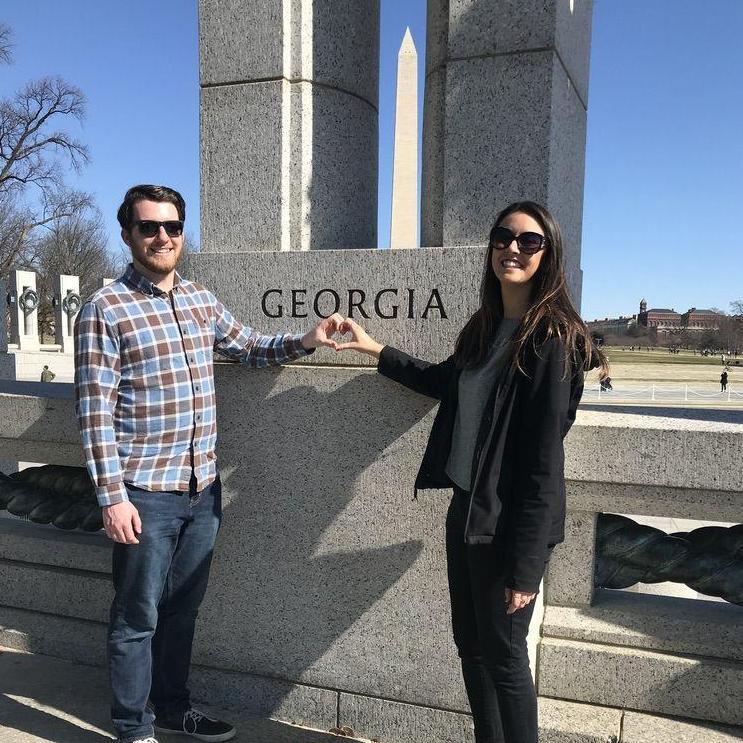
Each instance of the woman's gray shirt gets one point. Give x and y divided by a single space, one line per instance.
475 388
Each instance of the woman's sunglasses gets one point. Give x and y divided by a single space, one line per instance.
150 228
528 242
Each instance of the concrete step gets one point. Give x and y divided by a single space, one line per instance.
44 699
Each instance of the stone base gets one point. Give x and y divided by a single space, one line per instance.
381 719
27 365
662 683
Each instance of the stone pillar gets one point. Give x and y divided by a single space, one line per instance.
3 318
404 230
505 117
289 124
24 326
66 306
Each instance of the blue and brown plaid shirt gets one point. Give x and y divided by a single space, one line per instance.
144 381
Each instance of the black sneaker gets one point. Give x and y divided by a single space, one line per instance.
199 726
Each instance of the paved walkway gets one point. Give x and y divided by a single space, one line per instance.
46 699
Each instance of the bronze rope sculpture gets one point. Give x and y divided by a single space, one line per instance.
709 560
52 494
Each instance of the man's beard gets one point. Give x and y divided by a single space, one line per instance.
161 265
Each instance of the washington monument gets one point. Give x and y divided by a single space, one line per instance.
404 232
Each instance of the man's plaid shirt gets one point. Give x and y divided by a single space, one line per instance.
144 382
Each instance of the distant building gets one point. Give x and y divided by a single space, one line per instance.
659 320
668 321
612 325
696 319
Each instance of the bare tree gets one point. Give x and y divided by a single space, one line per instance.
18 224
34 154
28 143
733 326
75 246
6 44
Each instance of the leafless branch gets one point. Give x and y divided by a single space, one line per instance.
29 145
6 44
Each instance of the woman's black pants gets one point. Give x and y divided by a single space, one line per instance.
491 644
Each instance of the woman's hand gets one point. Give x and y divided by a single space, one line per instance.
516 600
360 339
321 334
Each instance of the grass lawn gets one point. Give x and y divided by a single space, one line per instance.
660 356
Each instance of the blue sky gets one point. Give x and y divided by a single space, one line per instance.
664 153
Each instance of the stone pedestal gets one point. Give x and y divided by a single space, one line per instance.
505 117
67 305
24 326
289 125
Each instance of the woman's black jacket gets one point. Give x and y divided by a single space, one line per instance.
517 486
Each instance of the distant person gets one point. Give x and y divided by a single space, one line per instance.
47 375
723 381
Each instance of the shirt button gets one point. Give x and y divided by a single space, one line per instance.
191 359
197 388
198 416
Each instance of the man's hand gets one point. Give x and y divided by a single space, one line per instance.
122 523
516 600
320 334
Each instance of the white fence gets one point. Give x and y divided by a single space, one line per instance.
663 393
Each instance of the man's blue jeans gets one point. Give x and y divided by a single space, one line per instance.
159 585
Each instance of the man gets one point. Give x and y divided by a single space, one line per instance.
146 408
47 375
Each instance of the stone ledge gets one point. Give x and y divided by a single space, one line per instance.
54 590
47 545
639 728
701 628
653 682
47 634
569 722
654 500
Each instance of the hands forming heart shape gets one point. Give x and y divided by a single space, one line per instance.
360 340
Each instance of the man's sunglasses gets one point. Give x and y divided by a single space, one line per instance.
150 228
528 242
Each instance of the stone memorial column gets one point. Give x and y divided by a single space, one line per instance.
505 116
289 120
3 326
24 302
66 306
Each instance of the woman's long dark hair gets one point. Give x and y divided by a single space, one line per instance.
551 312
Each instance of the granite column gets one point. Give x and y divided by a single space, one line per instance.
289 121
505 117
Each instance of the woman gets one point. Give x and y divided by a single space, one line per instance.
508 397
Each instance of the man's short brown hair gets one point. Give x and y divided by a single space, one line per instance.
147 192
